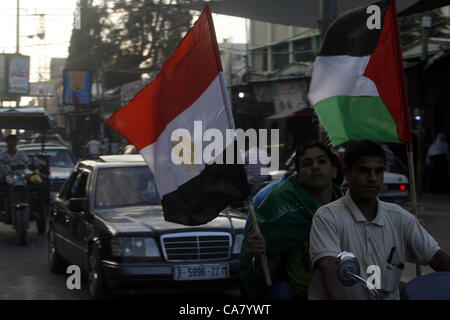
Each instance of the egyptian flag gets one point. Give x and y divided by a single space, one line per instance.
357 86
189 93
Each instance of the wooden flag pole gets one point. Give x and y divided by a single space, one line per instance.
264 262
412 180
413 194
227 104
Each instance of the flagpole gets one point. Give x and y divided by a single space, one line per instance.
412 180
412 184
227 103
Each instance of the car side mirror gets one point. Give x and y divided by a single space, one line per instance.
347 266
79 205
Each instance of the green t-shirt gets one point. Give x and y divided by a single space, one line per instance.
285 219
298 268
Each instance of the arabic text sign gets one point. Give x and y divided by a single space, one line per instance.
18 74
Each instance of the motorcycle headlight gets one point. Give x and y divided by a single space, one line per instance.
238 243
134 247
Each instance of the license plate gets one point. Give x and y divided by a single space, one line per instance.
201 272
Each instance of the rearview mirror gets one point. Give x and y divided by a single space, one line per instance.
348 272
79 204
347 262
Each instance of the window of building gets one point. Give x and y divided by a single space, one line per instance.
305 49
280 55
259 60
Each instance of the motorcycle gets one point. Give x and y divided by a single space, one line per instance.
432 286
23 201
17 209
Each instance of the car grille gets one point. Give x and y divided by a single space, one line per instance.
56 184
194 246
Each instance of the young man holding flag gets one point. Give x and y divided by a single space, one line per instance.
285 218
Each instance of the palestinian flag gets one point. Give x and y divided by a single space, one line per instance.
190 94
357 86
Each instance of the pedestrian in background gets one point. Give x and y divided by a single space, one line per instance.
438 162
93 148
255 160
105 146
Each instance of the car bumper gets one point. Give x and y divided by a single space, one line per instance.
157 277
394 195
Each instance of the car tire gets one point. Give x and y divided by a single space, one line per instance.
55 262
96 281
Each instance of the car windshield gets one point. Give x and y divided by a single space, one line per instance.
125 186
47 140
58 157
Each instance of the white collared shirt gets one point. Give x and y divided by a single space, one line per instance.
19 157
340 226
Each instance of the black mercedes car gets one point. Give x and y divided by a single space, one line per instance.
108 220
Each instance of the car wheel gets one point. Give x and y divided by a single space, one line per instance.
55 261
96 281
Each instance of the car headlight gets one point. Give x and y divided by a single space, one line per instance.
134 247
238 243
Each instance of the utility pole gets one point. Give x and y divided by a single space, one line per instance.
328 13
83 14
83 29
18 42
17 28
426 25
102 101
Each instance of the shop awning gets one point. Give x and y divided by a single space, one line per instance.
299 13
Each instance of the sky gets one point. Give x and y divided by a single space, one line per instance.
58 26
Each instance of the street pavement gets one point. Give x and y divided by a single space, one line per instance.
25 275
24 272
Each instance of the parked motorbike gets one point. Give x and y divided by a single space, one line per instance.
432 286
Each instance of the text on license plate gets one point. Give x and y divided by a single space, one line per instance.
201 272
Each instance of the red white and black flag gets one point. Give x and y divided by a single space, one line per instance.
189 93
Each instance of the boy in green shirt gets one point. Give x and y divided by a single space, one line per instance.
285 219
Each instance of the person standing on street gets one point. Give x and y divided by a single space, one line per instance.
438 160
93 148
378 233
256 159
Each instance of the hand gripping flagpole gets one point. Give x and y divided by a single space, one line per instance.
412 180
263 257
226 101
